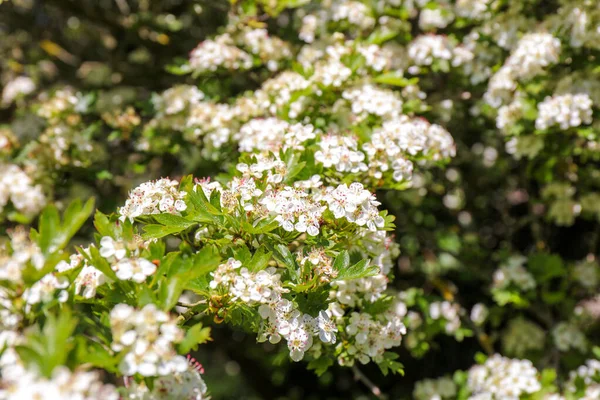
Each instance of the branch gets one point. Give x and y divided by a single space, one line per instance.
360 376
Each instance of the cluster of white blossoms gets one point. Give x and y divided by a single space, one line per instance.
62 101
401 137
177 99
277 92
235 51
533 54
472 9
154 197
16 253
568 336
19 86
354 12
270 49
220 52
450 312
425 50
435 18
356 204
583 30
368 100
294 209
281 319
241 284
479 314
352 292
513 273
18 188
272 135
89 278
214 120
332 72
501 378
132 268
45 289
587 273
19 383
522 336
509 114
414 136
588 374
435 389
319 263
371 336
566 111
147 337
341 152
186 385
308 29
16 256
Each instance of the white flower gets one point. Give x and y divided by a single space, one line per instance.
327 328
20 86
110 247
136 269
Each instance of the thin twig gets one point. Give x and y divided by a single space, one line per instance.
190 305
358 375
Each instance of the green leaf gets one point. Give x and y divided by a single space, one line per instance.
259 260
205 261
49 347
320 365
48 228
394 79
283 256
172 220
546 266
73 219
388 364
295 170
103 224
155 231
342 261
169 292
359 270
54 235
195 335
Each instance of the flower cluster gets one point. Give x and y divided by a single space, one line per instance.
565 111
20 383
18 87
219 52
371 337
503 378
18 188
448 311
147 337
513 273
160 196
310 118
271 135
438 389
522 336
281 318
181 385
568 336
